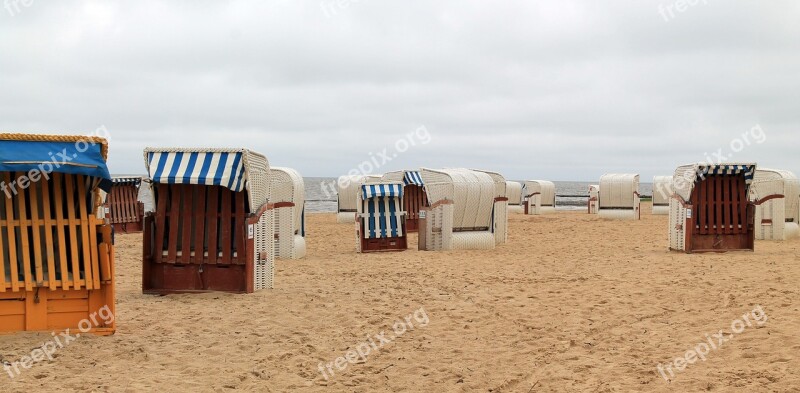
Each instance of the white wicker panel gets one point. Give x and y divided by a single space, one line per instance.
545 199
617 190
515 209
784 211
439 230
514 194
474 240
264 268
347 188
677 225
662 192
288 186
500 209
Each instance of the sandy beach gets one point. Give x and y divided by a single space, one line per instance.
571 303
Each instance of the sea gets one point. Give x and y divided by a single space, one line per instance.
570 195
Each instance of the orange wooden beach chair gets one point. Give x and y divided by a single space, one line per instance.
56 248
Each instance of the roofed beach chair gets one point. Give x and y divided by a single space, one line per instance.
594 199
212 229
709 210
127 212
500 209
347 189
288 201
776 194
381 219
414 197
539 197
662 192
619 197
56 246
514 194
460 214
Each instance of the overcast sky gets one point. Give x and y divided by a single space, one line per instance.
559 90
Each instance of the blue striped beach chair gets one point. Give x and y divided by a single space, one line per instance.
381 223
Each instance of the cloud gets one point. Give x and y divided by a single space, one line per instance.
565 90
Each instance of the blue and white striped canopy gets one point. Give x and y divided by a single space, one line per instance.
381 190
413 177
224 169
749 171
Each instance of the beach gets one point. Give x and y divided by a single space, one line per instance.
571 303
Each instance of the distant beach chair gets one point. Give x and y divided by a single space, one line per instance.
127 212
776 194
619 197
212 229
56 248
381 219
414 197
347 189
500 209
514 193
594 199
460 214
287 197
662 193
539 197
709 210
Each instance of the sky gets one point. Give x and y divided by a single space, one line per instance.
558 90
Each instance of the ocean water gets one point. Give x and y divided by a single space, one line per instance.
321 197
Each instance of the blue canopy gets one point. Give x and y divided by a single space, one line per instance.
77 158
381 190
413 177
224 169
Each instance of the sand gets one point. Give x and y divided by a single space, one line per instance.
572 303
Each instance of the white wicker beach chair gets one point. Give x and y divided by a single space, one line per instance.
500 212
619 197
594 199
776 194
460 212
662 193
539 197
288 201
514 193
347 189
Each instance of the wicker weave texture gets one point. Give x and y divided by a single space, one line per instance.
514 193
288 186
540 195
772 216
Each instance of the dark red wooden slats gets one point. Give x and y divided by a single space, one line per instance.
736 213
702 207
240 232
200 223
162 196
719 201
174 220
728 209
226 222
212 217
186 222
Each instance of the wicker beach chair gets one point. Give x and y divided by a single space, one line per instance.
460 214
381 218
776 194
594 199
539 197
619 197
662 192
288 200
514 194
499 223
127 212
414 196
709 210
56 247
213 229
347 189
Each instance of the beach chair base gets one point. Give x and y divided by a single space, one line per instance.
167 278
384 244
55 310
